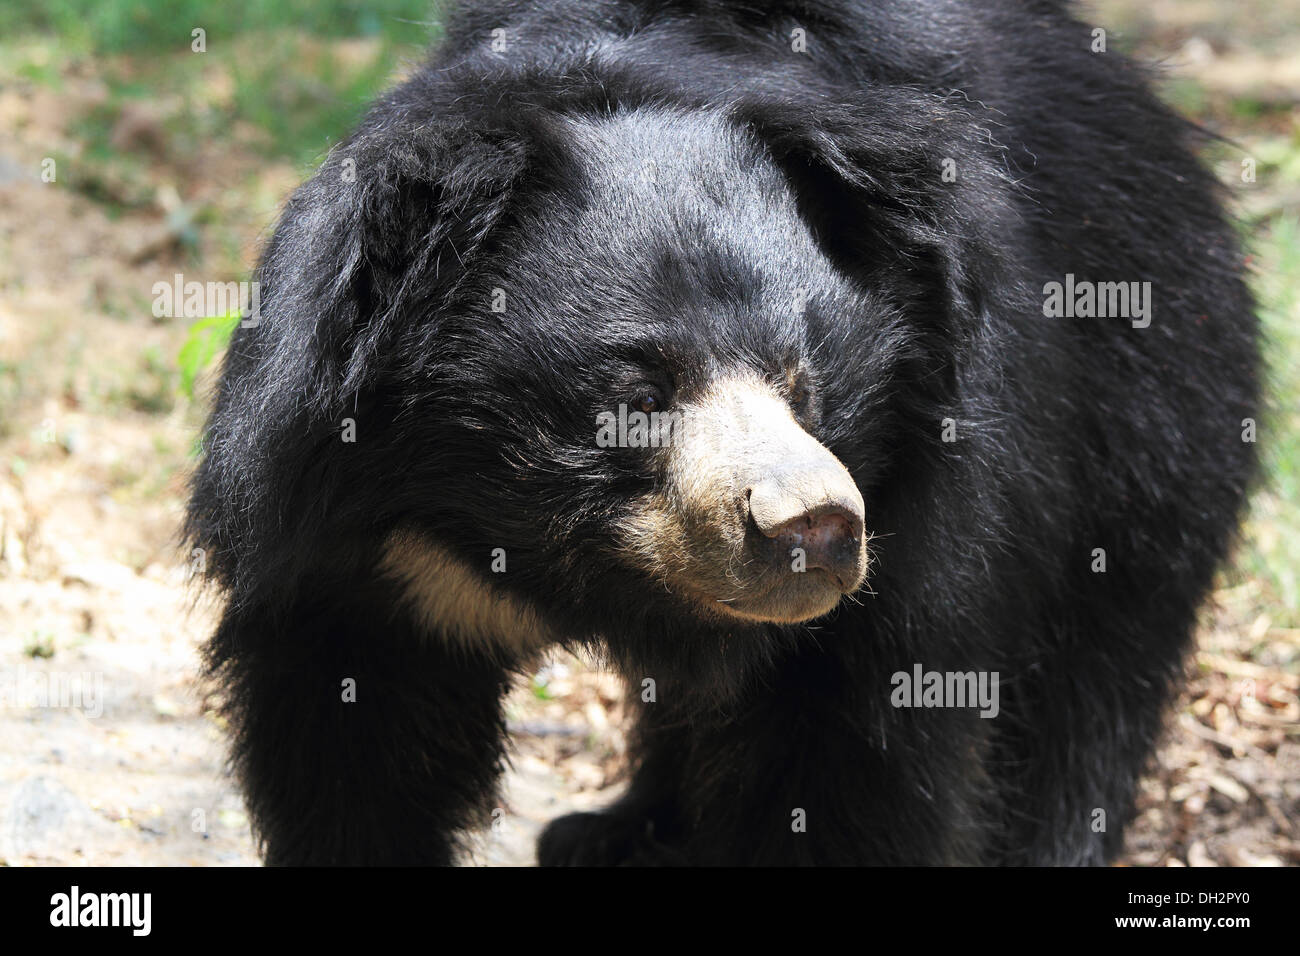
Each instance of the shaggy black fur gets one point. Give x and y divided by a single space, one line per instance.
772 171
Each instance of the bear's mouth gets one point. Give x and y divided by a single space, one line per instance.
814 594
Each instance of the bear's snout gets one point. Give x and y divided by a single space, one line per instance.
825 540
813 513
756 518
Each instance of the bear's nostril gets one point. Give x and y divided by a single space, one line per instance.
817 500
828 528
830 540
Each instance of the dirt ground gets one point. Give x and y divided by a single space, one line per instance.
125 764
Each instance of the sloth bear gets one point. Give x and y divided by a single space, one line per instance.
864 381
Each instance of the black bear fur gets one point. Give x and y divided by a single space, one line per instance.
484 170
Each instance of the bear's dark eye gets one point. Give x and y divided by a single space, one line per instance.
648 399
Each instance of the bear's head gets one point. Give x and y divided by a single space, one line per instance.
627 374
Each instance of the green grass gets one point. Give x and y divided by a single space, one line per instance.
1271 543
304 112
40 646
270 67
294 112
129 26
206 339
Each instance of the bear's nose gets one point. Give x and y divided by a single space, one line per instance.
827 525
829 541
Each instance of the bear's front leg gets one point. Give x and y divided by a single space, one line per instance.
810 766
645 826
359 738
816 768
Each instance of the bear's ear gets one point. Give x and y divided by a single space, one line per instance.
900 178
375 239
382 229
